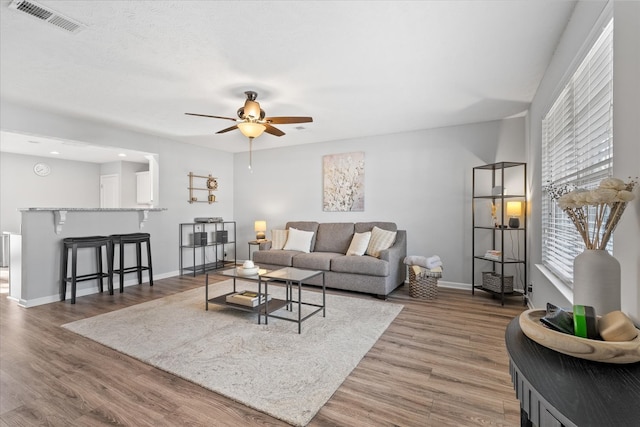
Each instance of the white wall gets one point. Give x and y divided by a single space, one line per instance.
70 183
626 153
420 180
583 26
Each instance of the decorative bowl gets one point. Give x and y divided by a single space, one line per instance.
248 271
583 348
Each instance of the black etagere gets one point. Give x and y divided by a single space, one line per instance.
489 185
207 246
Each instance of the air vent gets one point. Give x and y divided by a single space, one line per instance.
43 13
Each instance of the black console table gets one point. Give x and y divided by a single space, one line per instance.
559 390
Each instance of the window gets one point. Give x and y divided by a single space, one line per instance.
577 149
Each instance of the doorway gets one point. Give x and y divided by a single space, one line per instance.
109 191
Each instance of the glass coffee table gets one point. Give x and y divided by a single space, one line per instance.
235 273
291 276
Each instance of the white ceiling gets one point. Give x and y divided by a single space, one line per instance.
359 68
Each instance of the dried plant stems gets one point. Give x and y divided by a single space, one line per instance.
608 201
612 222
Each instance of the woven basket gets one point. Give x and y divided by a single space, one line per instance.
493 282
424 287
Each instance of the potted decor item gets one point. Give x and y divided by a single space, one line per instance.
595 214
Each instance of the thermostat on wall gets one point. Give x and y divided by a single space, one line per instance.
42 169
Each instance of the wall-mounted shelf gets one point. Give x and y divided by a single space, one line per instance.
210 186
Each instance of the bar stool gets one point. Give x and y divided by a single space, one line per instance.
75 243
133 238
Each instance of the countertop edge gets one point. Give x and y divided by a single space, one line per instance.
92 209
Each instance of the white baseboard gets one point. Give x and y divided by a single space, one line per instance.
446 284
454 285
89 291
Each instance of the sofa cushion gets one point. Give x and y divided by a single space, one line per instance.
380 240
278 239
334 237
366 265
359 243
298 240
281 257
305 226
315 260
361 227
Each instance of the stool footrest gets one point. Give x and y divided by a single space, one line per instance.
91 276
128 270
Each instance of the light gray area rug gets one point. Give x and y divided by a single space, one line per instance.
271 368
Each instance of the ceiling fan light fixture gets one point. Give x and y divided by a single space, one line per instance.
251 129
251 110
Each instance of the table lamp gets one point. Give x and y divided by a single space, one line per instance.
514 210
260 227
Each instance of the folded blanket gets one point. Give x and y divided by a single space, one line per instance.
433 262
425 272
416 260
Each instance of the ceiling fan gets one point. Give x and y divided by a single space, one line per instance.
252 120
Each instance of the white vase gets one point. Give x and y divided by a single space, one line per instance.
596 281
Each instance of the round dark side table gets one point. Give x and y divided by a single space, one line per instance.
559 390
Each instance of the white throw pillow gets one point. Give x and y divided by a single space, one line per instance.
359 243
380 240
298 240
278 239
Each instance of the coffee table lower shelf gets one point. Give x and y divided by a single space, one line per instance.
274 304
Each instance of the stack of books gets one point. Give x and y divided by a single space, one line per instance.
247 298
493 254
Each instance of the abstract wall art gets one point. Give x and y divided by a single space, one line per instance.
343 182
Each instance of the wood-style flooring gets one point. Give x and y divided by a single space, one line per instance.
440 363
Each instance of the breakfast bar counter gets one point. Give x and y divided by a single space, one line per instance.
60 214
37 265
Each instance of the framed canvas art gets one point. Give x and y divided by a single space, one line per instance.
343 182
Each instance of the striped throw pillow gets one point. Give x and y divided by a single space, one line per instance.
278 239
380 240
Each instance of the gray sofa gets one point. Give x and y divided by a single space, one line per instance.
330 242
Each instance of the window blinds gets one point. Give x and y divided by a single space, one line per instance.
577 149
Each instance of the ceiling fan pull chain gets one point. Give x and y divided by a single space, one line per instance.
250 152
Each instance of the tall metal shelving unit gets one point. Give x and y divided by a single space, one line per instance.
214 251
497 172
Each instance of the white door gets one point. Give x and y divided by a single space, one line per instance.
109 191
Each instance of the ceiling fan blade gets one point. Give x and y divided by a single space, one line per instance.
234 127
213 117
272 130
286 120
